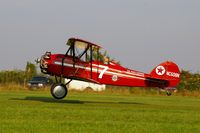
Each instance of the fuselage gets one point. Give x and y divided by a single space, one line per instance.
109 73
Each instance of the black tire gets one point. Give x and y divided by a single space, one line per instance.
59 91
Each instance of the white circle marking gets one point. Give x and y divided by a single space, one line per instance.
160 70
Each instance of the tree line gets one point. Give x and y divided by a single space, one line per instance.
18 76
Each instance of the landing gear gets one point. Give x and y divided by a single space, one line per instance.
59 90
169 93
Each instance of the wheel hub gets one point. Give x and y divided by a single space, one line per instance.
59 91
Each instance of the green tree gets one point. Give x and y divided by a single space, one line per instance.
30 70
189 81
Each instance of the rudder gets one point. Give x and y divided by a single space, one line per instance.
168 71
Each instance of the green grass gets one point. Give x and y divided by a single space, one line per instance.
36 111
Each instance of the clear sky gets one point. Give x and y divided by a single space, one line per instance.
138 33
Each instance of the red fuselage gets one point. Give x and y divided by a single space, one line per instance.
95 71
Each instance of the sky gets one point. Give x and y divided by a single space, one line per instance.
139 33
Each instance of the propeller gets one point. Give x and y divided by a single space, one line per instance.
37 61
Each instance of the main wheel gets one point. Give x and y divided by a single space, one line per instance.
59 91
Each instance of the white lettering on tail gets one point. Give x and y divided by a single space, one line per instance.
173 74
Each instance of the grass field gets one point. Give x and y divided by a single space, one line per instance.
36 111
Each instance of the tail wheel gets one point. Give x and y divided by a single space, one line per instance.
59 91
169 93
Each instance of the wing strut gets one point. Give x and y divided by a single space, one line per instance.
90 61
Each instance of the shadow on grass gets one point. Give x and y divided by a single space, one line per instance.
52 100
48 100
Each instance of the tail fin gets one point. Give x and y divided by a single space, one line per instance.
167 71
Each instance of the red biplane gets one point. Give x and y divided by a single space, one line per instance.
85 61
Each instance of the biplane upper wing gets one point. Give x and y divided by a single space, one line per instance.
81 42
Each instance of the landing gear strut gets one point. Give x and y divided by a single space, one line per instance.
58 89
